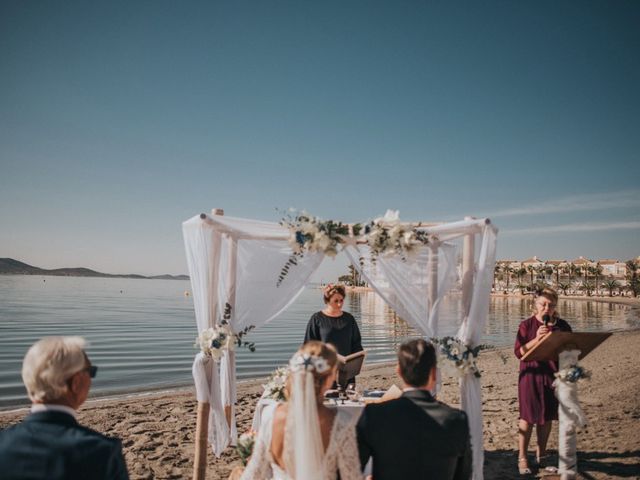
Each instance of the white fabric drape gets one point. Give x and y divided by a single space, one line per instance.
570 416
470 333
404 284
236 261
205 376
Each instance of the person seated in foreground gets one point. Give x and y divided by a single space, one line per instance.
415 436
302 439
50 443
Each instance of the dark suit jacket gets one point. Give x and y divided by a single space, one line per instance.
415 436
53 445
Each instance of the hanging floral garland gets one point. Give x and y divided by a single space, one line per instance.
384 236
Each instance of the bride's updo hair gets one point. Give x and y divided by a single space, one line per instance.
323 352
330 290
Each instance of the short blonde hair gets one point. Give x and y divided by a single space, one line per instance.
548 293
48 365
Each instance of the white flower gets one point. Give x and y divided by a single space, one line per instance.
309 363
391 216
322 242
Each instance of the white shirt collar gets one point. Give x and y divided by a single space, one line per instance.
409 389
46 407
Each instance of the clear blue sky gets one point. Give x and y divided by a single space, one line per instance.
119 120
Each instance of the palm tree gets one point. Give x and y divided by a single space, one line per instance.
611 285
541 271
520 273
587 287
508 271
564 287
556 269
596 271
356 278
631 275
531 269
496 275
577 271
522 287
571 270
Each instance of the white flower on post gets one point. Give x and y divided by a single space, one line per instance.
392 216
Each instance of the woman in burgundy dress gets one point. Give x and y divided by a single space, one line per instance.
538 404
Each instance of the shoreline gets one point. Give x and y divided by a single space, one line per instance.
157 429
629 301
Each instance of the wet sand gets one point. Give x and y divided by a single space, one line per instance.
158 430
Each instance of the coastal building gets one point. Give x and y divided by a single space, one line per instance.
556 271
613 268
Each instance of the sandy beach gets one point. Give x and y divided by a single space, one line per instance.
157 430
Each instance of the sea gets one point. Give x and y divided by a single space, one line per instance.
141 332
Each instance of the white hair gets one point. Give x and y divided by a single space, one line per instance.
49 364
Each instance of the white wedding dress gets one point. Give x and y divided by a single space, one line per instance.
341 454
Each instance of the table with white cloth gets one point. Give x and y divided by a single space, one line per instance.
351 407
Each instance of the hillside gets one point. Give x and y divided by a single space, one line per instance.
9 266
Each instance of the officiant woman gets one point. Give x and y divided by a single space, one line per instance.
333 325
537 401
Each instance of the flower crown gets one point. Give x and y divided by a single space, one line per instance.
309 363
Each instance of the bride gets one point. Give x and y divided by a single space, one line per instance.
302 439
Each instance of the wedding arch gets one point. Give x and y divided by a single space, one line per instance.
253 270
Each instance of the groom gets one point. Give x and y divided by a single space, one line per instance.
415 436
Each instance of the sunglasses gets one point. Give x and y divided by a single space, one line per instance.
91 370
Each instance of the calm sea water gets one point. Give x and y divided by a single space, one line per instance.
141 332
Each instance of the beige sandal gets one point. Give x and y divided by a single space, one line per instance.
523 466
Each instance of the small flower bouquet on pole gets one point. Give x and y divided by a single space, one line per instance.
274 388
246 441
215 340
457 357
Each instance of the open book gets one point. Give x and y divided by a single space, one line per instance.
350 366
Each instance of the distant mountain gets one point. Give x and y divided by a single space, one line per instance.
9 266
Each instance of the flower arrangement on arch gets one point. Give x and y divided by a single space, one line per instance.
384 236
572 374
311 234
215 340
455 356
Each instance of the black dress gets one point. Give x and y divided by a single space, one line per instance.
342 332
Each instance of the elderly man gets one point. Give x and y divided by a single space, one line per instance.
50 443
415 436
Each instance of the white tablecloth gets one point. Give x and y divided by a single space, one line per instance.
353 408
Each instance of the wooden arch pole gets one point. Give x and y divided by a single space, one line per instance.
231 300
202 419
432 267
468 260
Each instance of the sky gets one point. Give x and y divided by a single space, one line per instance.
119 120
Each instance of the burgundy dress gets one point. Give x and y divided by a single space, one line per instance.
538 403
